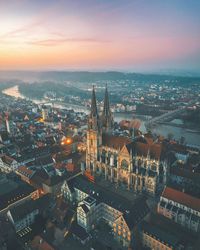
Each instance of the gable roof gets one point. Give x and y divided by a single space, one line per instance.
137 212
25 171
113 141
153 149
18 192
185 173
85 208
182 198
141 145
7 159
160 234
38 243
79 231
20 211
125 150
132 212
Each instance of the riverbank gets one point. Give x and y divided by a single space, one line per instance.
161 129
180 126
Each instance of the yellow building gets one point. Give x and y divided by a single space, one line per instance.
156 238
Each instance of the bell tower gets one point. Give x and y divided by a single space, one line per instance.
94 135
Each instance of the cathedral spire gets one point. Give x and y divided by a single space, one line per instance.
94 111
93 122
107 119
106 107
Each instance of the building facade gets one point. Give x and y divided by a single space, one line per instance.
94 205
23 215
153 237
24 221
135 163
180 207
8 164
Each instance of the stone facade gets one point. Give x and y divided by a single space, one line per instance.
135 163
180 207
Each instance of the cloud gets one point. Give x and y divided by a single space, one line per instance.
35 21
22 30
59 41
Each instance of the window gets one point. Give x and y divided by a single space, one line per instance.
124 165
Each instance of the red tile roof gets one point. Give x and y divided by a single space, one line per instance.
7 159
25 171
114 141
182 198
154 150
39 243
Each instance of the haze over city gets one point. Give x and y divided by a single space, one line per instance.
152 36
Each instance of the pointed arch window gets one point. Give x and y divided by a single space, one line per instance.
124 164
103 155
115 160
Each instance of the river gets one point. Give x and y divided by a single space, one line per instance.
161 129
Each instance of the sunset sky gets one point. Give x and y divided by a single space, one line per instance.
100 34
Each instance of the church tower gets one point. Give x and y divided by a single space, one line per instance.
94 136
107 117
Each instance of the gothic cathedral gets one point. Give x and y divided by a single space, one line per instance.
139 163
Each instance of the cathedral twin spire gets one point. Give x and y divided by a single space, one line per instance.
94 111
106 117
93 122
106 121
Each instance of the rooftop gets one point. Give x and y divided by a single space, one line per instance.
18 212
182 198
79 231
114 141
132 211
38 243
160 234
25 171
12 191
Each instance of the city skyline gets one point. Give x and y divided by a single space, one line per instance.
100 35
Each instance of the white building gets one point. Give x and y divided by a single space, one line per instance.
8 164
180 207
23 215
94 204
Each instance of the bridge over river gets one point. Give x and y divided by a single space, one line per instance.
168 115
164 117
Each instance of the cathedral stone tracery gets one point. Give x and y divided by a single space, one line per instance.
138 163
